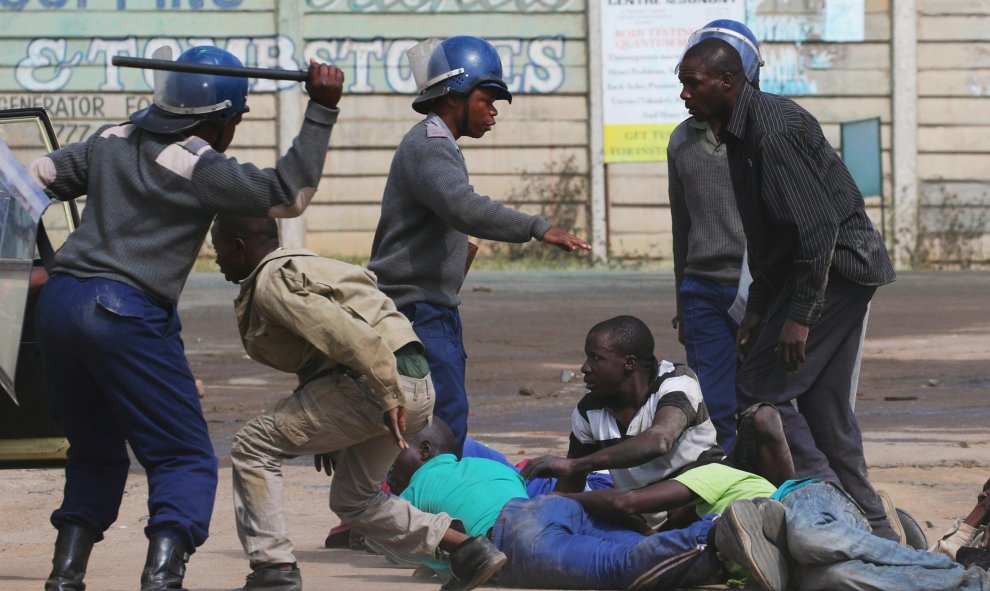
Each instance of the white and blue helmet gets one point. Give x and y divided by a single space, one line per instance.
457 64
739 37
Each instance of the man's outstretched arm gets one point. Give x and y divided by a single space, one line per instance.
668 425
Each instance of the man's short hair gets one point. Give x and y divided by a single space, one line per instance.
437 433
247 228
629 335
719 58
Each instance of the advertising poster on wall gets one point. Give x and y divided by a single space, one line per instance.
642 42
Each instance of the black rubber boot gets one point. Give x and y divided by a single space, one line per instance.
165 565
72 548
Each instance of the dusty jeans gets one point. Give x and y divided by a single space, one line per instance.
830 541
331 413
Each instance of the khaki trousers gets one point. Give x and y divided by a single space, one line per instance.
333 413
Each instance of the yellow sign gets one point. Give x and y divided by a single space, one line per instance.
637 142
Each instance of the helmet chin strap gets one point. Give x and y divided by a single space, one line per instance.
463 126
219 126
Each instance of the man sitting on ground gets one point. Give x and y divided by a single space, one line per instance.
646 421
552 541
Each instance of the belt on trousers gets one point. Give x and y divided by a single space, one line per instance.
336 370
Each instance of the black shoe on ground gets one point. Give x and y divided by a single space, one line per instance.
165 565
72 548
472 563
753 534
273 578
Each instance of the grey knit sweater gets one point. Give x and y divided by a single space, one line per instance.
428 210
152 198
708 235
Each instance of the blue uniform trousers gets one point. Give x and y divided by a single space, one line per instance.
116 373
439 328
710 343
552 542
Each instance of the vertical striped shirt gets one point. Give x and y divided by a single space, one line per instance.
803 215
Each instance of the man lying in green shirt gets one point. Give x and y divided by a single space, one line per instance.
553 541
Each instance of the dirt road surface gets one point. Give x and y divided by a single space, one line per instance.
921 404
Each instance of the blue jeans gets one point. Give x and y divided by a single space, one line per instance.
831 542
440 330
552 542
710 343
117 373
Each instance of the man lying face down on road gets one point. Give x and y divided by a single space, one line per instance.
555 542
806 532
645 420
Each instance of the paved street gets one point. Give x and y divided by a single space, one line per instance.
922 406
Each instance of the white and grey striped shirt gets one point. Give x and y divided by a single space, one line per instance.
594 427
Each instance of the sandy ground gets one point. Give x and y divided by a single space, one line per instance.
921 405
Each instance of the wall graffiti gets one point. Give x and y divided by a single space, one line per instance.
371 65
785 71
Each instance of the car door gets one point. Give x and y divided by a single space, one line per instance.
27 432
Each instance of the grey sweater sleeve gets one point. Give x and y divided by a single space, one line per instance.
444 188
223 184
64 174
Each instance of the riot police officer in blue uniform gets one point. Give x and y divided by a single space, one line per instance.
429 209
107 323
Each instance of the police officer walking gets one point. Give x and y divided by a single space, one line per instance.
106 320
429 208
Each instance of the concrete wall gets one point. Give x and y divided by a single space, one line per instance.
56 53
954 133
836 82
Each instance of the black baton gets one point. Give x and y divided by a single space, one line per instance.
238 72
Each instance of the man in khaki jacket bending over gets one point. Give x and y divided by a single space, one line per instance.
363 384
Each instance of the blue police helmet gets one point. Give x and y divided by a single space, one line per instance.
739 37
461 64
183 99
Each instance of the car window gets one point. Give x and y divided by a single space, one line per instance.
29 135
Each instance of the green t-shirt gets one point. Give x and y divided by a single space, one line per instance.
719 485
472 490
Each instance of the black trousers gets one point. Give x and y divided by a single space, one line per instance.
819 423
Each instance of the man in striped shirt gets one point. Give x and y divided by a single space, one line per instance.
816 260
643 420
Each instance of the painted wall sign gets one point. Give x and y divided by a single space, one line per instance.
642 42
371 65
